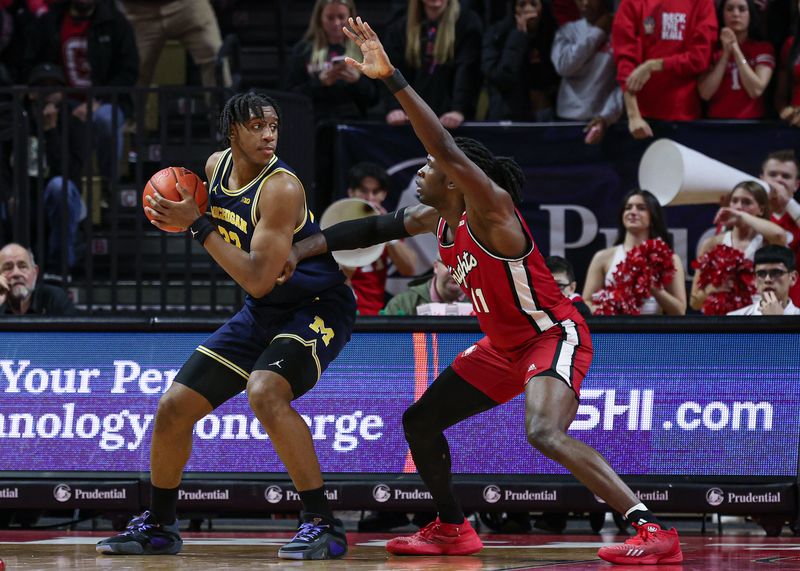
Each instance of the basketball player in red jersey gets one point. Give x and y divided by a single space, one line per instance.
536 341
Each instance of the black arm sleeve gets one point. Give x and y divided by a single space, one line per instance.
366 231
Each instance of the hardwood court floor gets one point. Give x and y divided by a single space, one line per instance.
220 551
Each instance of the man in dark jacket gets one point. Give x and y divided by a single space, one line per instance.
19 293
94 44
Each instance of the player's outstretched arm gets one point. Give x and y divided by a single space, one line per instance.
471 180
362 233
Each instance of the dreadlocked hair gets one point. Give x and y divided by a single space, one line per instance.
504 171
242 107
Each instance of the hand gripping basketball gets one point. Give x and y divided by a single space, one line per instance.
166 207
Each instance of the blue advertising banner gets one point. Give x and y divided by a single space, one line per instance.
574 191
653 404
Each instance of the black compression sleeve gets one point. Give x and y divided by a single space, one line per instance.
366 231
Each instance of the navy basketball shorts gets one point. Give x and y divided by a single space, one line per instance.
297 342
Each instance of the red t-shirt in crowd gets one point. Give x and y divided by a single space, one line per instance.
787 223
787 48
731 100
369 285
681 32
75 51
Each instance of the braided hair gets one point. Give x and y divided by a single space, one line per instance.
242 107
504 171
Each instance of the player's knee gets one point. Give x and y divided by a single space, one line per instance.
172 414
416 423
267 399
545 436
286 364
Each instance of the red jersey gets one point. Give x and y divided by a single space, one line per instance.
515 299
369 285
795 79
731 100
681 33
75 51
787 223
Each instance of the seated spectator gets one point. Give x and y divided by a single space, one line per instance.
439 288
741 66
747 228
437 48
45 114
564 275
582 57
370 182
660 48
94 43
192 22
517 65
780 170
19 293
775 273
640 219
317 67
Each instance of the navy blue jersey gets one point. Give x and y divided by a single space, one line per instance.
235 214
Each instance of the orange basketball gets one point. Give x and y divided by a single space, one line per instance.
164 182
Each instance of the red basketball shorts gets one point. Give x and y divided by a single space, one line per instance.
564 351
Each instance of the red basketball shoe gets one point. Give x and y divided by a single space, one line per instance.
438 538
649 546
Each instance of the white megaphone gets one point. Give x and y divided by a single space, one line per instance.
351 209
679 175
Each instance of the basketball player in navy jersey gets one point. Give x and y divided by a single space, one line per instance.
536 341
275 347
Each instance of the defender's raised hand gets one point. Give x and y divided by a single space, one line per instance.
376 64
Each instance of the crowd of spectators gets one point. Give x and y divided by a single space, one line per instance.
577 60
536 60
64 50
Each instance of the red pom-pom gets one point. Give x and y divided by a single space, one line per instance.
647 266
725 267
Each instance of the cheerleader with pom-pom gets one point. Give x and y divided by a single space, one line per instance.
723 280
639 274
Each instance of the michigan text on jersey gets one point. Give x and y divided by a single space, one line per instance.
219 213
